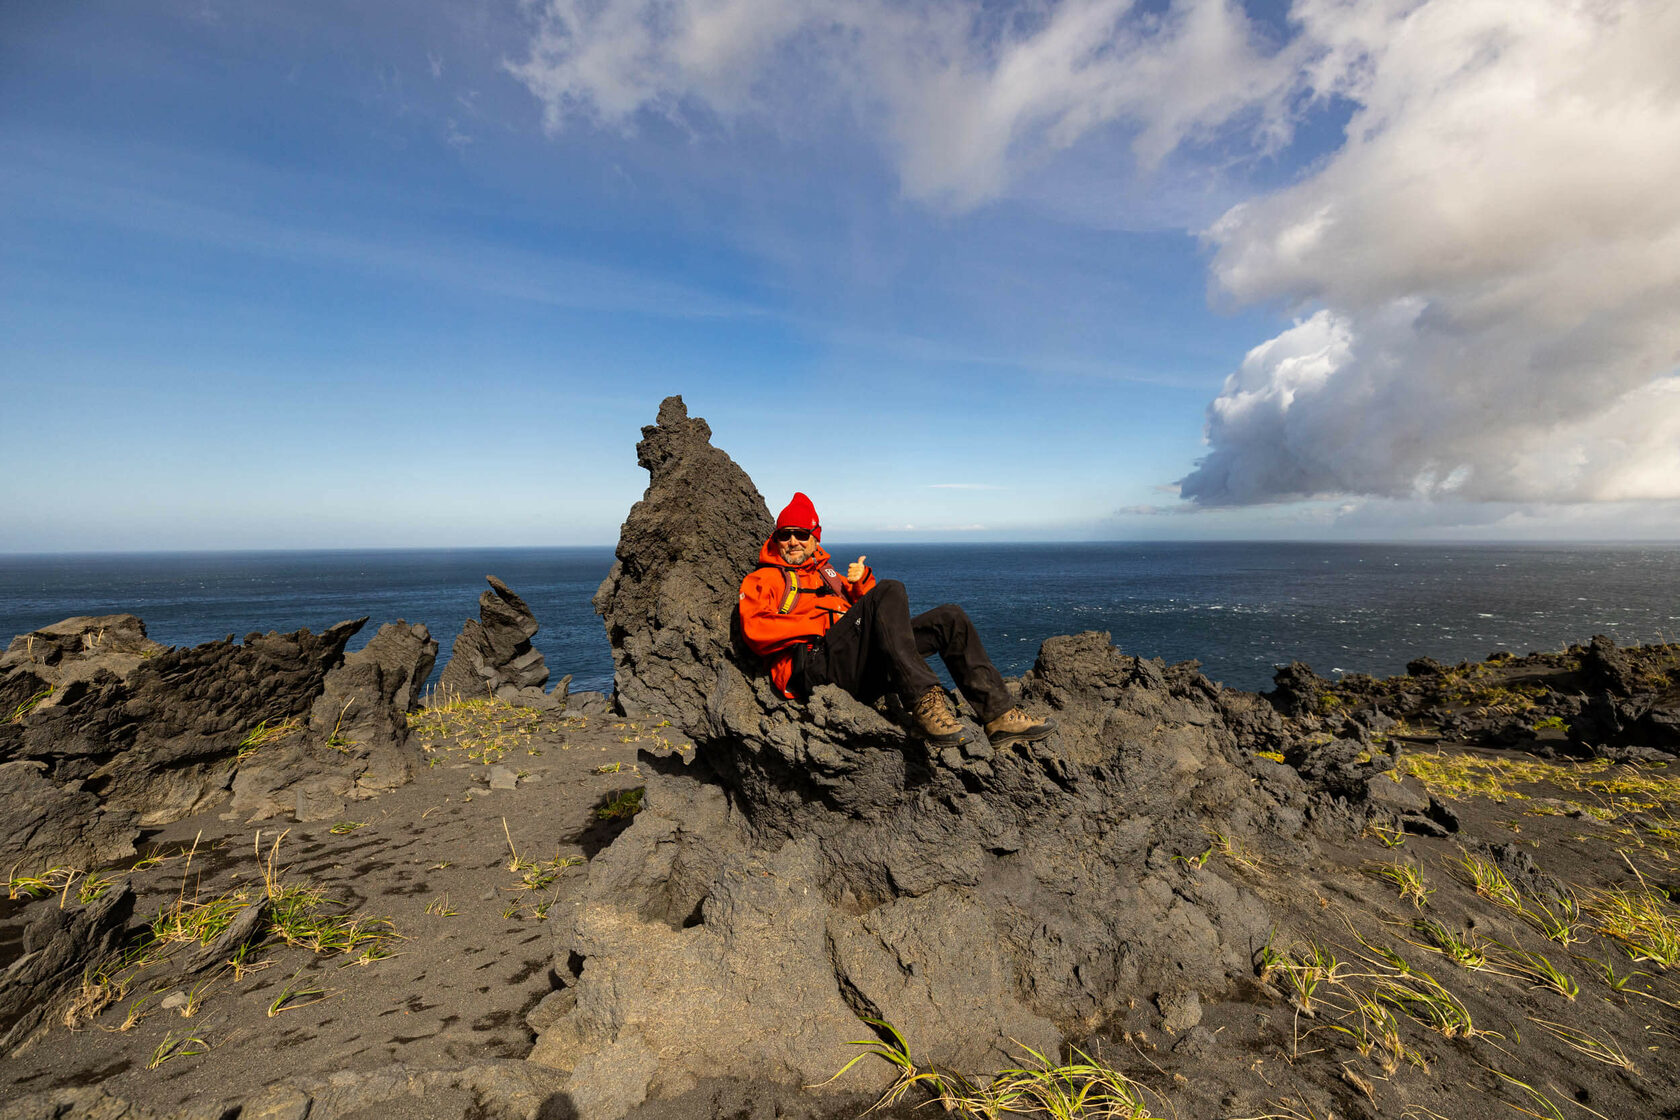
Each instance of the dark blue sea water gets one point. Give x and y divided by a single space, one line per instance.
1240 609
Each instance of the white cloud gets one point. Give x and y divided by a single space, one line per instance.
965 95
1491 262
1486 273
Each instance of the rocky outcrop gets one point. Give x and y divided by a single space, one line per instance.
815 864
45 824
57 946
111 732
151 732
1297 690
493 656
669 599
38 669
364 700
353 743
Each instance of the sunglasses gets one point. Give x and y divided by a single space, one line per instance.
793 534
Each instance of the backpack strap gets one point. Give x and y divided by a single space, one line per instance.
791 591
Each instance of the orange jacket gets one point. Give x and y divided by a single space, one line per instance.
773 622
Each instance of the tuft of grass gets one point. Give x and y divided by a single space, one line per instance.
1407 877
1376 1034
196 998
1560 920
1509 960
1607 969
242 963
1081 1088
1548 1109
345 828
196 921
1585 1042
22 710
34 886
440 906
1639 921
1390 837
137 1011
622 806
1235 851
294 995
895 1051
1304 970
1490 882
1428 1001
300 915
1462 949
264 734
184 1046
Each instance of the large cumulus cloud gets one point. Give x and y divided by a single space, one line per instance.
1484 275
1488 269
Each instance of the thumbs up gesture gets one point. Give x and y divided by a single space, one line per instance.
854 570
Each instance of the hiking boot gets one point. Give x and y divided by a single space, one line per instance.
1016 726
937 723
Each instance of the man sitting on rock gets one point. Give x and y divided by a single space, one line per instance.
815 626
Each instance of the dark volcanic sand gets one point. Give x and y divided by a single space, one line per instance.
459 984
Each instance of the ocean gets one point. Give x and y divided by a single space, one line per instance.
1241 609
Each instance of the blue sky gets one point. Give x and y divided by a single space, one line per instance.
415 274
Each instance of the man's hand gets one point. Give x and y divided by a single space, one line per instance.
854 570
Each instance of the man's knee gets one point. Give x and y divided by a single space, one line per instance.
890 589
949 614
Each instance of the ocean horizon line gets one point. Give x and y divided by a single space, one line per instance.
346 550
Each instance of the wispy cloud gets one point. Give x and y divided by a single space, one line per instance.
964 95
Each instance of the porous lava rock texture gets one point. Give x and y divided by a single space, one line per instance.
56 948
493 655
353 743
814 863
149 732
111 732
670 597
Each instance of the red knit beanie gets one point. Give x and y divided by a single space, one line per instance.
800 514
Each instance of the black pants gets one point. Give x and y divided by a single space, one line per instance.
876 647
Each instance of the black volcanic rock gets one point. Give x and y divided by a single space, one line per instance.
149 731
353 742
57 947
815 863
1609 668
1297 690
44 823
364 702
670 597
493 656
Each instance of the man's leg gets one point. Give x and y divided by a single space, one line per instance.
872 648
947 631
